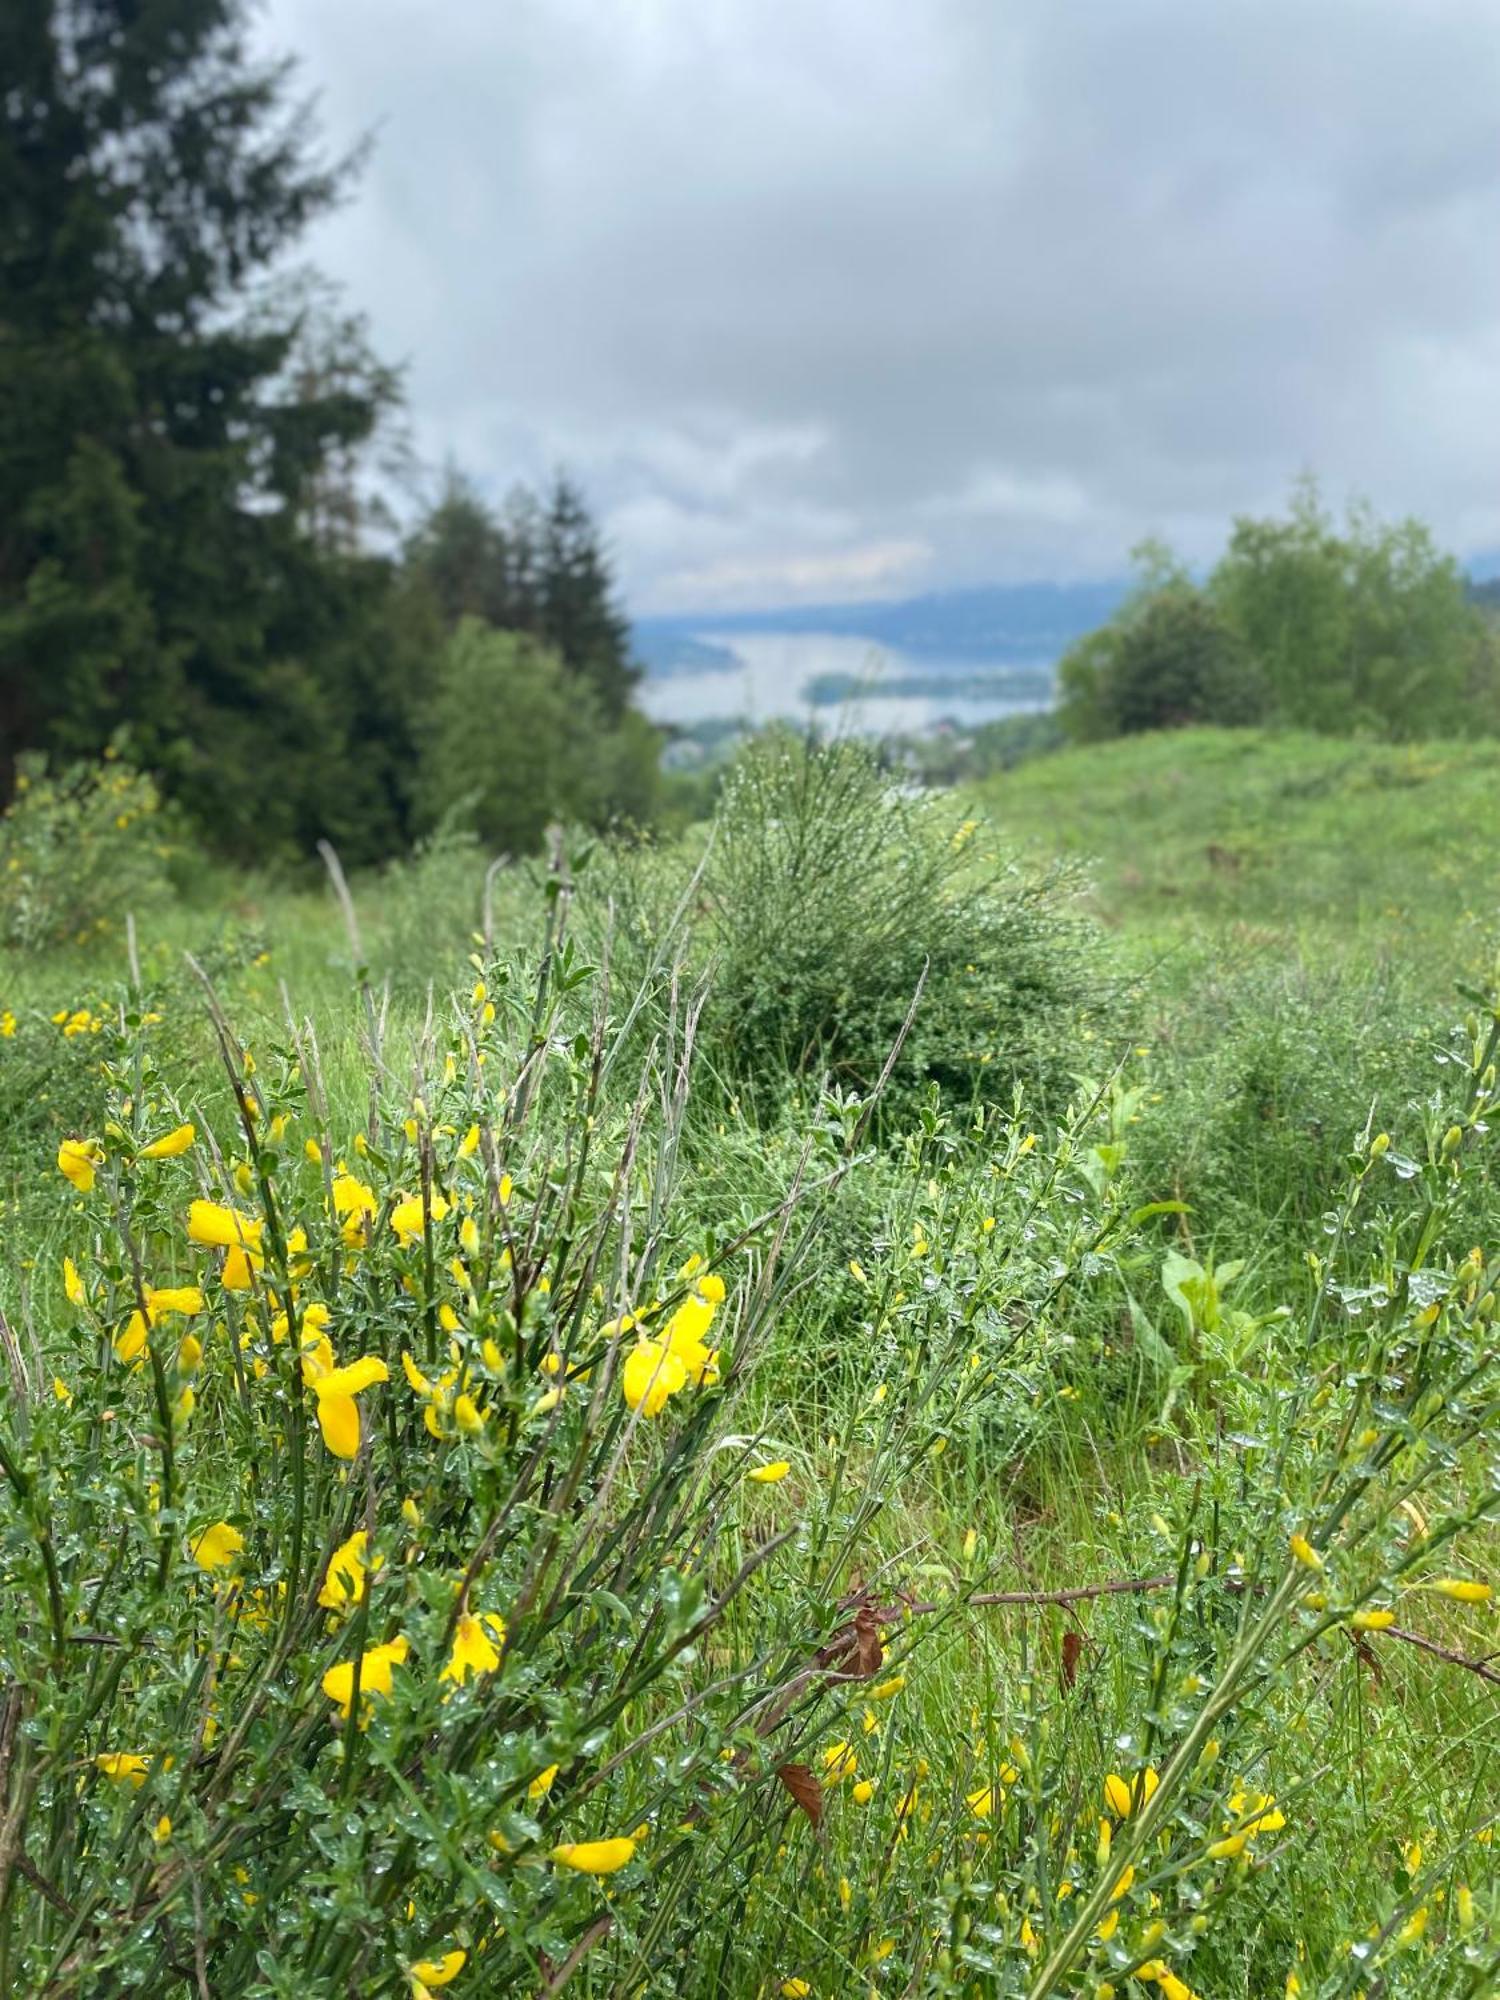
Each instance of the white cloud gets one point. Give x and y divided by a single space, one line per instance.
792 281
877 569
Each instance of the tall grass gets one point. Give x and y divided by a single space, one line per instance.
547 1519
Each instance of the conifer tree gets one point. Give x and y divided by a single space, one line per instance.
177 434
539 568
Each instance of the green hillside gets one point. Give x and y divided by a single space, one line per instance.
984 1498
1281 838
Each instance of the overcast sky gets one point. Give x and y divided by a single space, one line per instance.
849 298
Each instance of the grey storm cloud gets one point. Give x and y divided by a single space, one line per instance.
842 298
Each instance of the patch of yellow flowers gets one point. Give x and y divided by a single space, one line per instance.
677 1356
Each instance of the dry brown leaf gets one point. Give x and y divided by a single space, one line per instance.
1366 1653
869 1652
1072 1653
806 1792
855 1652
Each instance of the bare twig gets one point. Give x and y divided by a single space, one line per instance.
1482 1667
556 1980
500 861
1078 1593
1129 1585
43 1887
340 884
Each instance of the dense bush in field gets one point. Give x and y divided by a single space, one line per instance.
831 894
1171 659
511 740
1258 1105
506 1525
1359 628
79 848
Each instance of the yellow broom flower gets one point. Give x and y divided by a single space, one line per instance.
474 1649
335 1390
123 1766
595 1857
651 1374
1462 1589
407 1217
171 1144
77 1160
345 1582
215 1227
216 1547
442 1971
374 1673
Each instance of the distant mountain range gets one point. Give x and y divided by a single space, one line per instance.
1015 623
1005 623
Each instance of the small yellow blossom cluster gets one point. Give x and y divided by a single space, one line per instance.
476 1649
79 1160
1252 1814
450 1406
78 1021
238 1236
333 1387
1380 1617
676 1356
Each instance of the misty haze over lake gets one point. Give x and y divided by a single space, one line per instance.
778 676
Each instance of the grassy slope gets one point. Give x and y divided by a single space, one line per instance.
1277 840
1221 852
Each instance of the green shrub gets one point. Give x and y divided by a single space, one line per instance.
512 741
832 893
430 906
1368 629
49 1082
80 849
392 1578
370 1624
1167 660
1258 1096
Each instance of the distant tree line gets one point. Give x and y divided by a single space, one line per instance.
191 542
1359 628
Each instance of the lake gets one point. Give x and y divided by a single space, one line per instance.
774 671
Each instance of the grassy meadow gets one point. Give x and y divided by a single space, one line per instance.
1252 839
896 1396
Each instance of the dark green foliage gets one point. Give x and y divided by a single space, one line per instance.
579 618
830 891
1170 659
1364 629
472 563
1264 1087
537 567
989 748
510 741
79 849
1367 629
177 501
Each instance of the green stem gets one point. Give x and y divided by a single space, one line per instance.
1182 1761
